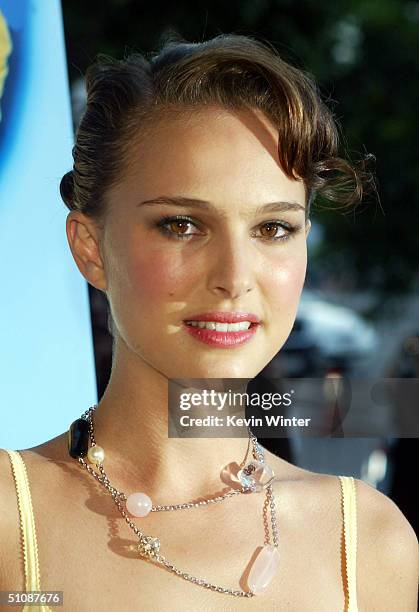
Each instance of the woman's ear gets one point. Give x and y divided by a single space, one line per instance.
83 238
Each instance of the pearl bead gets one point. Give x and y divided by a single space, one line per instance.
95 454
138 504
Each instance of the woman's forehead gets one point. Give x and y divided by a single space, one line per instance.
208 120
202 146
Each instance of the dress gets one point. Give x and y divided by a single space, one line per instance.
30 548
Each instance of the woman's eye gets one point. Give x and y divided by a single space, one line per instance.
177 227
272 228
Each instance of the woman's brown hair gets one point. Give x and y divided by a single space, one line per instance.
125 97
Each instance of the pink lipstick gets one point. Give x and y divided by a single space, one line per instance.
223 329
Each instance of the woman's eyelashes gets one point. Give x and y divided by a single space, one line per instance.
175 227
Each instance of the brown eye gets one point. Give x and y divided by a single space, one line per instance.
178 225
272 229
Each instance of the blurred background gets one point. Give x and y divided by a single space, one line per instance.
359 311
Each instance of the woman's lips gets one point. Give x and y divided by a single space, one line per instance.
224 316
222 339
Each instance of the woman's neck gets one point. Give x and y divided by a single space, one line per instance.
131 424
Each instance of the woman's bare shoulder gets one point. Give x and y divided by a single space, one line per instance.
381 521
387 546
36 460
43 465
289 472
388 550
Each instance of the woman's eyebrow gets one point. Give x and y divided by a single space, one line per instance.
280 206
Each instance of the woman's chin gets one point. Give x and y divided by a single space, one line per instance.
216 372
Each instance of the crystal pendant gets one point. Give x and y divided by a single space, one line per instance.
246 480
260 452
255 475
148 546
263 569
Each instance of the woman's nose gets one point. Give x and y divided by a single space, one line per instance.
231 273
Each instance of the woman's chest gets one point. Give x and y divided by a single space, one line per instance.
87 550
151 588
95 562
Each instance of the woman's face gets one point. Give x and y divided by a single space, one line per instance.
227 259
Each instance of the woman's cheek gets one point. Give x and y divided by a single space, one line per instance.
284 282
156 276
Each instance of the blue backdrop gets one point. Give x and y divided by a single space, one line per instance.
47 373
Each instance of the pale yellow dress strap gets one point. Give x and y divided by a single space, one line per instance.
27 529
350 535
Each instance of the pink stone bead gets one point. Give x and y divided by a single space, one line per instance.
263 569
138 504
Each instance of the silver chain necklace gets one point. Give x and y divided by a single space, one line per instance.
255 477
